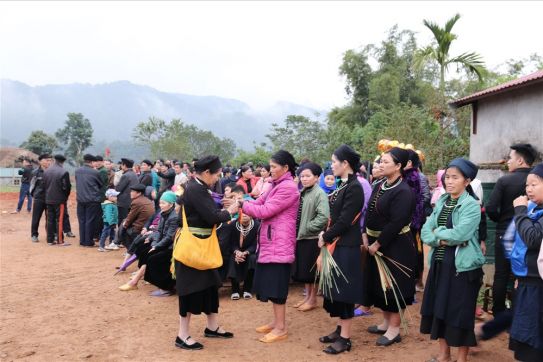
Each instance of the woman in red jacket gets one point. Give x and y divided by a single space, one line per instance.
248 180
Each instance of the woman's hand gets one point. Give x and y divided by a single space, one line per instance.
146 241
373 248
227 202
483 247
319 263
233 208
321 242
443 243
151 250
520 201
365 240
143 231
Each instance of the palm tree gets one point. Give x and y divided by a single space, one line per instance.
439 52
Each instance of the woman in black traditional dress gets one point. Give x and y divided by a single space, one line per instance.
198 289
345 205
387 230
456 261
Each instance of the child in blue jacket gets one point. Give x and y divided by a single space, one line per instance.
110 216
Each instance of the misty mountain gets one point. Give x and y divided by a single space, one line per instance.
115 108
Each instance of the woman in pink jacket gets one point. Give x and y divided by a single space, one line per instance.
277 210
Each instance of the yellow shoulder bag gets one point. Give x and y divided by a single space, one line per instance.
201 254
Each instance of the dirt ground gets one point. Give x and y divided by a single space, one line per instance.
62 304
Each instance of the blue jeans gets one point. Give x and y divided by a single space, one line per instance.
108 230
24 193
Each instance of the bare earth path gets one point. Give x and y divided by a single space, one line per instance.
62 304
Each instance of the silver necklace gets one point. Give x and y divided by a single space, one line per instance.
396 183
244 230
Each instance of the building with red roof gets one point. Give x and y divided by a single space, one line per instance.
508 113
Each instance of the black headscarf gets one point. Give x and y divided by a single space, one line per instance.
211 163
284 158
468 169
346 153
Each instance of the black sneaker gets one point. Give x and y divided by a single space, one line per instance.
179 343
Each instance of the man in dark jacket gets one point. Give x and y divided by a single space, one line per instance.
26 176
89 186
37 191
146 178
57 185
128 179
167 175
500 210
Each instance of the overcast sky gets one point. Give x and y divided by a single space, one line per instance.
257 52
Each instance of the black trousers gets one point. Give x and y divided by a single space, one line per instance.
99 224
502 275
123 213
37 212
55 222
87 215
66 227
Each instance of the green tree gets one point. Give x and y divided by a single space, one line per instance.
179 140
260 154
439 53
301 136
76 136
40 142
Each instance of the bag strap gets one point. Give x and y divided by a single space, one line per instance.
184 217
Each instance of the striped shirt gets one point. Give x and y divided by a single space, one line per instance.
446 211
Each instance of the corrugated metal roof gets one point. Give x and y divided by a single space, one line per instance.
504 87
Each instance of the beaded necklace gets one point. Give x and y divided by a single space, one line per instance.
384 186
244 230
333 196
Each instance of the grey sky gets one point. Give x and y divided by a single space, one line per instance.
258 52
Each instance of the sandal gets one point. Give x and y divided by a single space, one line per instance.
332 337
339 346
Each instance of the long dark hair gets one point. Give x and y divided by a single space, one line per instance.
285 158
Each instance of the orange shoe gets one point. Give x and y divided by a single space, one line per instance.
270 337
127 287
264 329
306 307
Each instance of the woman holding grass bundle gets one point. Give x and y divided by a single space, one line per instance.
277 210
456 261
387 233
344 237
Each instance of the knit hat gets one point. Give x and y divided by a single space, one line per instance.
112 192
168 196
538 170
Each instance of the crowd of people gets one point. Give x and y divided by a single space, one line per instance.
268 224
